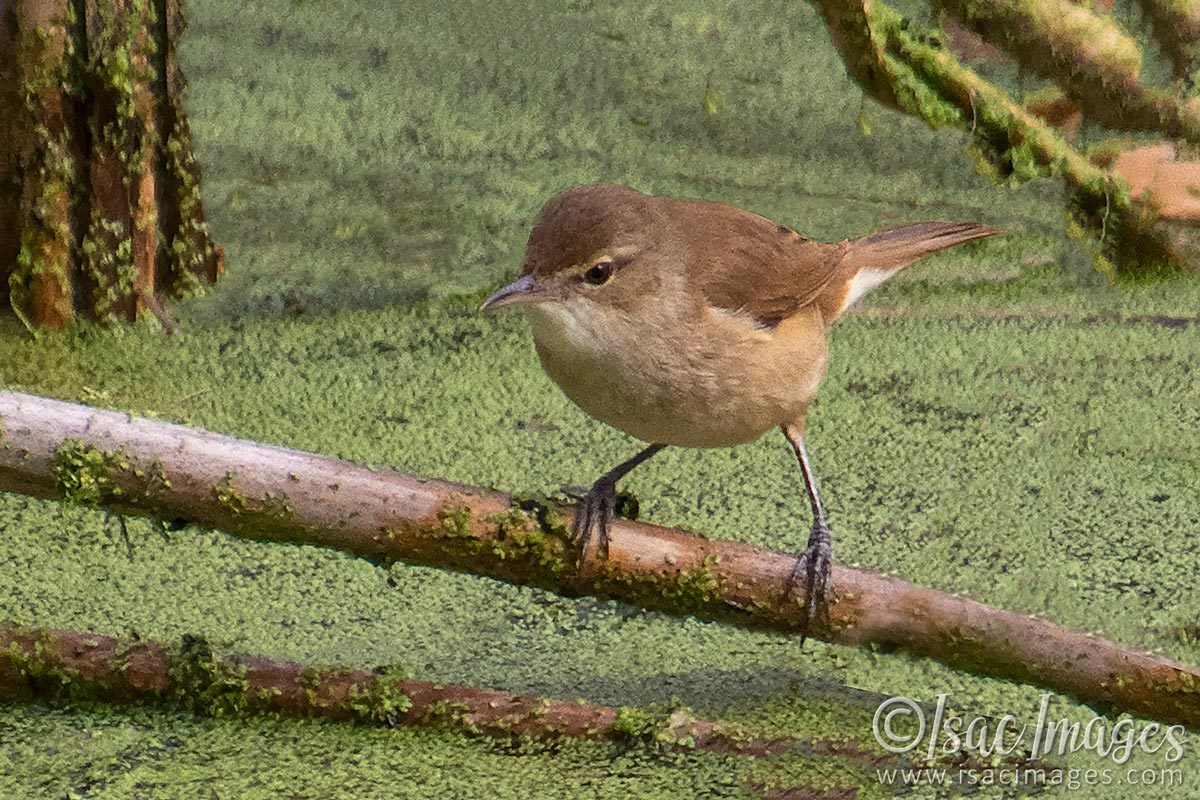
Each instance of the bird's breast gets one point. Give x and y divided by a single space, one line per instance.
696 378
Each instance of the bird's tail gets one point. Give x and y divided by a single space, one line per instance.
874 259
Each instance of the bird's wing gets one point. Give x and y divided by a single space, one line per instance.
743 262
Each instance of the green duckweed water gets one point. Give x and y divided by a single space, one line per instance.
987 427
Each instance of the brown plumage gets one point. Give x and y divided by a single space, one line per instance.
736 259
693 323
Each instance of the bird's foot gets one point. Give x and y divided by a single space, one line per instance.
593 518
627 505
815 564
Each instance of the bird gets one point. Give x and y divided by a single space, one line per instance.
691 323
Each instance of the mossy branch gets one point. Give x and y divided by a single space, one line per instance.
57 665
52 449
1087 53
1176 26
912 71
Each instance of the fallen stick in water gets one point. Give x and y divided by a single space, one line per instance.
131 465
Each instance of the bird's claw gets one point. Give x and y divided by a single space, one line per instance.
815 563
593 518
625 504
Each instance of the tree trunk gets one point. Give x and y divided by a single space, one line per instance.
100 213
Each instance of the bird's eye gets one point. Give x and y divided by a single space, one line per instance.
599 273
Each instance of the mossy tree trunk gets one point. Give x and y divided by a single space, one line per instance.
100 213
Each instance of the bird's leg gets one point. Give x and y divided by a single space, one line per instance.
595 512
818 556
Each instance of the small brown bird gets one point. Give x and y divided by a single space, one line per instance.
692 323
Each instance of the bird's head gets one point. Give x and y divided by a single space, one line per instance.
591 245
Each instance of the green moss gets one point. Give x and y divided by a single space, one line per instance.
928 499
191 249
1118 233
456 521
511 521
451 715
46 240
229 496
312 679
265 695
655 724
698 587
383 700
455 525
273 506
46 677
634 723
545 550
677 591
277 505
205 683
158 478
108 261
533 530
83 473
528 532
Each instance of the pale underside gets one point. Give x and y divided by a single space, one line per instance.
715 379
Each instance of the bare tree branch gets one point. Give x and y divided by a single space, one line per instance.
139 466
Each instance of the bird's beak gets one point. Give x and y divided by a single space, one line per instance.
522 290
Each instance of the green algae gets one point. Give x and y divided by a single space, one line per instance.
383 699
205 683
170 754
229 496
677 591
83 473
990 426
984 435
